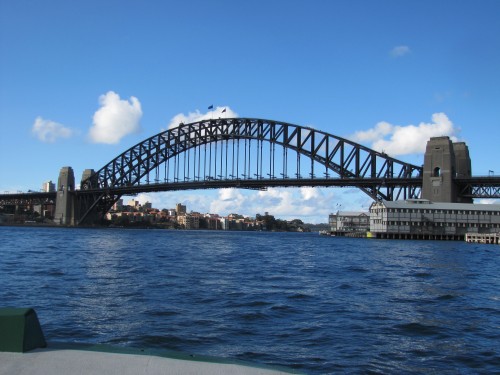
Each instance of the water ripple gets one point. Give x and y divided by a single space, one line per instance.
319 305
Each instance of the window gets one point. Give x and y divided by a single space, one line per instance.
437 172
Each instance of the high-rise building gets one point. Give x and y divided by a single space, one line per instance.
180 209
118 206
133 203
48 187
189 221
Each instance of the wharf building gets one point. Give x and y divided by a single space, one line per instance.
349 223
442 213
423 219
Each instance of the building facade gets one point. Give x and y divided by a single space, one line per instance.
423 219
344 222
48 187
189 221
118 206
180 209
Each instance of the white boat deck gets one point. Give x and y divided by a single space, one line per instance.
69 361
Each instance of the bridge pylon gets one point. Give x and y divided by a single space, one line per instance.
444 161
86 204
65 198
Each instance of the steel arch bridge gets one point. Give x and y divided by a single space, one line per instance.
245 153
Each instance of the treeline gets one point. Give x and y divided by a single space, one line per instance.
270 223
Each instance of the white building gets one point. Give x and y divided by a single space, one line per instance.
48 187
189 221
349 222
423 219
118 206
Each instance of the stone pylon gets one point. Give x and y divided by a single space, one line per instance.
65 199
443 162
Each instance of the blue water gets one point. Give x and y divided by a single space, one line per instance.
316 304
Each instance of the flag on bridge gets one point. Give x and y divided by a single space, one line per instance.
211 107
224 110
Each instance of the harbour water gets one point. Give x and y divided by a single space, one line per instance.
313 303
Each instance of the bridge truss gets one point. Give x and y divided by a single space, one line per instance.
28 199
247 153
479 187
251 154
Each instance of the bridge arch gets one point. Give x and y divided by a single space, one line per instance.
218 153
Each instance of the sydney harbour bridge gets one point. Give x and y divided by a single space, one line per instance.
242 153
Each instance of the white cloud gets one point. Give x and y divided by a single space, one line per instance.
409 139
380 130
144 198
115 118
311 205
228 201
309 193
49 131
198 116
400 51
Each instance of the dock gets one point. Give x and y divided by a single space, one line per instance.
486 238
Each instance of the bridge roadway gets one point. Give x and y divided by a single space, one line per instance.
29 198
474 187
260 184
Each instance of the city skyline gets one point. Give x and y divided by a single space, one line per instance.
83 82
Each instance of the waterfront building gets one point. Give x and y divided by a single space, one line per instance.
344 222
423 219
213 221
180 209
489 238
189 221
332 221
224 223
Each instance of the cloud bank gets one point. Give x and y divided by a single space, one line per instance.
198 116
307 203
49 131
115 119
410 139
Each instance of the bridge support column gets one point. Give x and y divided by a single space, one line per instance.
84 202
65 199
463 166
443 161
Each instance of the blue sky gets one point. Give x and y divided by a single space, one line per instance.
386 73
